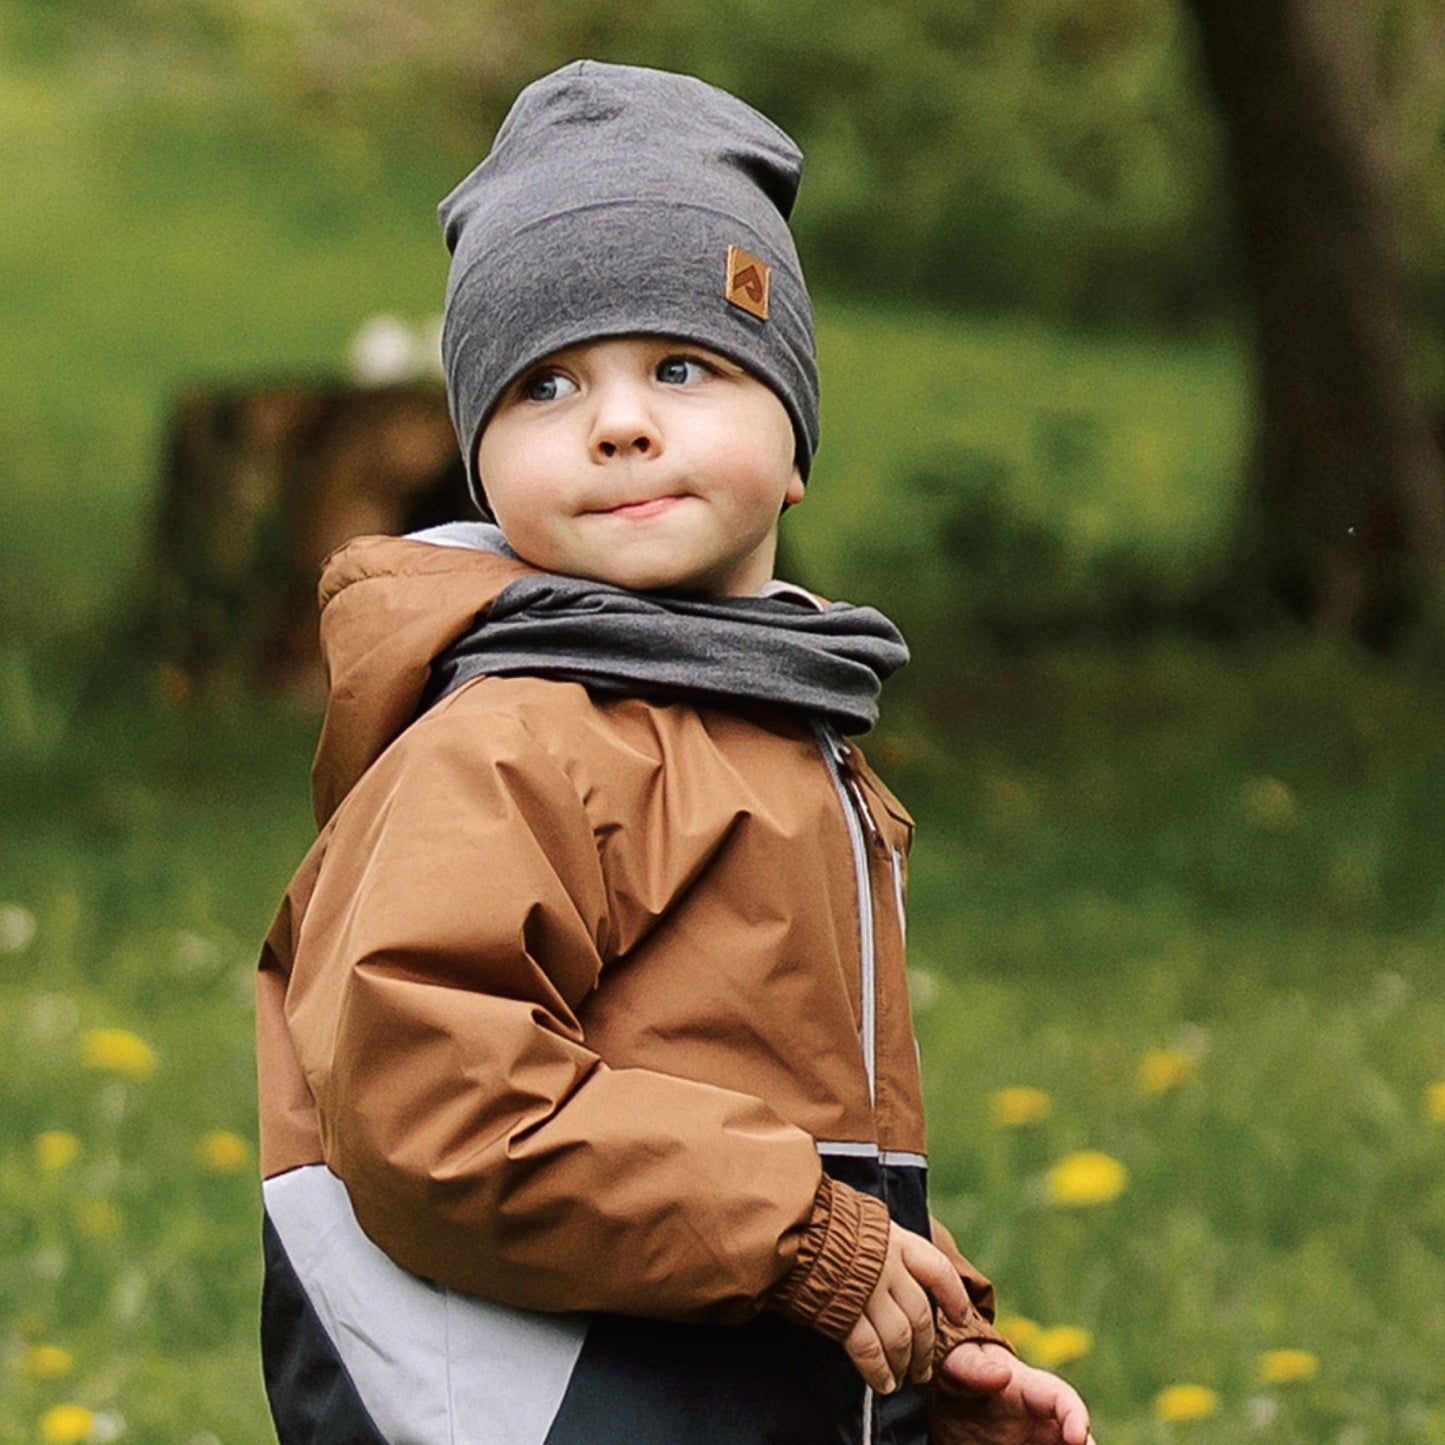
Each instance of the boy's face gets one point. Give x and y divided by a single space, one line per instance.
646 462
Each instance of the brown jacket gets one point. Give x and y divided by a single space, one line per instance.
579 997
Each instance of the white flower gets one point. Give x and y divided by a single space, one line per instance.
17 927
922 989
381 351
386 349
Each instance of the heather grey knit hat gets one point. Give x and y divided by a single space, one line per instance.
621 201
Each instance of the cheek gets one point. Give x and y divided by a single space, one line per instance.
763 472
524 509
773 448
518 480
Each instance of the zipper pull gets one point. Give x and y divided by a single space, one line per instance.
836 746
855 788
865 812
842 755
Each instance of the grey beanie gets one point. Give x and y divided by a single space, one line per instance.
623 201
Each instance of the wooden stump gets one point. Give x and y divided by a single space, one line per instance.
259 485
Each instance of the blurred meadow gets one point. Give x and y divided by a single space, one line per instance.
1176 899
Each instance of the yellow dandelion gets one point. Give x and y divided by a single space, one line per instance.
1163 1069
66 1424
1086 1177
1269 802
98 1218
1435 1102
118 1051
1011 1108
1058 1345
1283 1367
1019 1331
1185 1402
221 1152
47 1362
55 1149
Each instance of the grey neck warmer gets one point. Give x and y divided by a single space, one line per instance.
616 201
826 662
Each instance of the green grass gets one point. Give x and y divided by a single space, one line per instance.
1238 854
147 851
1232 855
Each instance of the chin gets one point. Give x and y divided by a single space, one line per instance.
669 582
664 571
648 577
659 582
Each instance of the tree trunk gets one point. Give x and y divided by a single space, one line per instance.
1345 519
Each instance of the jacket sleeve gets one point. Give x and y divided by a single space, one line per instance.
457 923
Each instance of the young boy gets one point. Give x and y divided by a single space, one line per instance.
590 1108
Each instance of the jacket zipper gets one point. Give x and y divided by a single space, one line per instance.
858 816
855 809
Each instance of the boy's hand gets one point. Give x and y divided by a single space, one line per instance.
893 1339
985 1396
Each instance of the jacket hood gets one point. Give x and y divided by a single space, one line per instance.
388 606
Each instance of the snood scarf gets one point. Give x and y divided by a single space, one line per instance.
826 661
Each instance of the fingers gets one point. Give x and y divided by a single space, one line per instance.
917 1311
982 1370
910 1343
1045 1395
895 1338
930 1267
1074 1428
903 1322
1069 1410
869 1357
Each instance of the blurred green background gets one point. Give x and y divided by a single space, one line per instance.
1179 868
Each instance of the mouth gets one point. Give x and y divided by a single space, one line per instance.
649 507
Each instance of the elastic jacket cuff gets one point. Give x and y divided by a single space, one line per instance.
975 1329
845 1244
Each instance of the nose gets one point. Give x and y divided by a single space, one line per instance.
624 423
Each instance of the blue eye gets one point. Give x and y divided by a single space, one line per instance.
548 386
682 370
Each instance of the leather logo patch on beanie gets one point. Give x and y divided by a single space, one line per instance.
747 284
